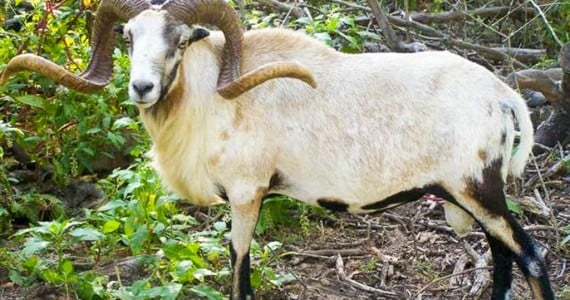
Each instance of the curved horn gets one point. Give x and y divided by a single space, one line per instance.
220 14
267 72
100 67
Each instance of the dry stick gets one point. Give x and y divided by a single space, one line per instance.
356 284
445 38
456 15
485 51
481 280
392 39
423 289
458 268
290 9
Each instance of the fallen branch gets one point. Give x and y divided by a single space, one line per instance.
521 54
356 284
482 275
444 38
425 287
537 80
458 15
392 39
286 8
459 267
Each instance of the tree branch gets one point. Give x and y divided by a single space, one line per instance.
457 15
392 39
286 8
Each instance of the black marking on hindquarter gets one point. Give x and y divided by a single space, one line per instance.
408 196
490 190
277 181
333 204
244 284
221 191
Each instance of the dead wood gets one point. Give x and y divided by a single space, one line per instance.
358 285
521 54
482 277
459 15
286 8
392 39
557 128
446 39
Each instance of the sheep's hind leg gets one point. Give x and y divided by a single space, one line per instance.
485 201
244 219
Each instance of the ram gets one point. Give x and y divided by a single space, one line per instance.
380 130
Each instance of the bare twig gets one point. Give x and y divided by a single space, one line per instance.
546 23
521 54
284 7
358 285
457 15
391 38
425 287
447 39
482 276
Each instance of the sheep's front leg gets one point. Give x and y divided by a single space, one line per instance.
244 218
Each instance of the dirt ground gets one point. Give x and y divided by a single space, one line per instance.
406 253
412 253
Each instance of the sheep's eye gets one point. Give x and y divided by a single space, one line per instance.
182 45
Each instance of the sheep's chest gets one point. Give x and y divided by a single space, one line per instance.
178 162
184 176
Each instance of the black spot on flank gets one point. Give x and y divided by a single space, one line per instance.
409 196
333 204
490 190
503 137
221 191
396 200
277 181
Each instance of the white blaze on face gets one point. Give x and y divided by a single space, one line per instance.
148 51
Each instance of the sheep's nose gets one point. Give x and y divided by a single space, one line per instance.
142 87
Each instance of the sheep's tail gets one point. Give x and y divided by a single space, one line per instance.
522 151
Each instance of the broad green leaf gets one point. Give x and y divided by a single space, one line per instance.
33 245
514 206
123 122
86 234
111 205
111 226
31 100
169 292
137 240
50 276
208 292
66 267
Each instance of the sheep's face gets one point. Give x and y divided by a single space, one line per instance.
156 46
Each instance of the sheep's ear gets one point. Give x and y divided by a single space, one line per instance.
198 34
191 35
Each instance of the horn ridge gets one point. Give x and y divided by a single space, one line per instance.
230 82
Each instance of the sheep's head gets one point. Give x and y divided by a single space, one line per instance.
156 52
178 15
